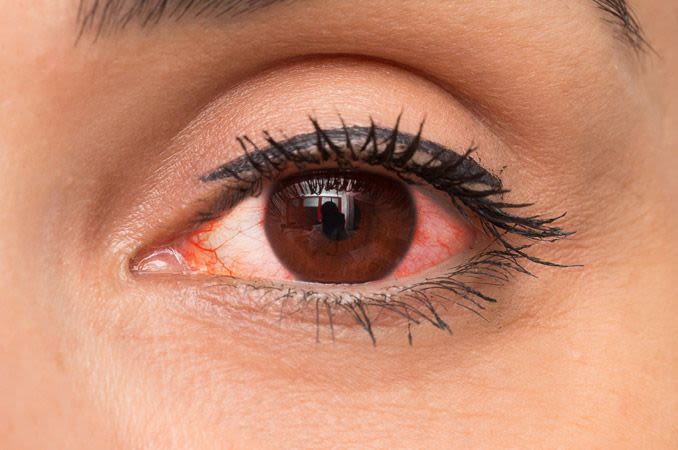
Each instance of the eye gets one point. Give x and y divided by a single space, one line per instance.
328 226
414 224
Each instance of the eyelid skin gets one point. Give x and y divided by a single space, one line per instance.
471 189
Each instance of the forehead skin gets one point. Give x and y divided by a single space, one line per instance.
582 358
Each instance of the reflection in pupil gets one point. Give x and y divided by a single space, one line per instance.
333 222
337 226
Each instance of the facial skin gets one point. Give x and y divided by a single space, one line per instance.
103 144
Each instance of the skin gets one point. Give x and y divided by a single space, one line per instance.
102 144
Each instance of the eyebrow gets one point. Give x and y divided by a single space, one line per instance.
103 16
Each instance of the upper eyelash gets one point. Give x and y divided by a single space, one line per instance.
467 183
299 150
471 188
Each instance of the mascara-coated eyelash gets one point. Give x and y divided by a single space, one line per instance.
473 190
470 187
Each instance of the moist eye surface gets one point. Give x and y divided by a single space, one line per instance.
340 227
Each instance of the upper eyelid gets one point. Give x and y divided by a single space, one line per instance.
368 151
469 185
396 151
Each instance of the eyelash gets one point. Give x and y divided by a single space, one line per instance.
471 189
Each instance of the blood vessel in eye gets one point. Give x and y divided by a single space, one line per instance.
339 226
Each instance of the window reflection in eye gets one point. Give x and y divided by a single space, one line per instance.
352 206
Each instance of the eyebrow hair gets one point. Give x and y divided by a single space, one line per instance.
104 16
623 16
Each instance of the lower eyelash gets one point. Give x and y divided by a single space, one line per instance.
470 188
416 304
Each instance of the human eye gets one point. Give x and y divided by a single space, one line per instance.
369 223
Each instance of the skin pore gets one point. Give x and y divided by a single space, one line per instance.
104 138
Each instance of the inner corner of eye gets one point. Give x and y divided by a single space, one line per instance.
323 226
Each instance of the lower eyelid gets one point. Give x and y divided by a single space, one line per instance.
310 310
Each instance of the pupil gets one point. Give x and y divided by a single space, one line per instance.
339 227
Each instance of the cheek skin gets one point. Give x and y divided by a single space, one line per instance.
237 245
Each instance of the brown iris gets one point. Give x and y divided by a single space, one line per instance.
337 226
